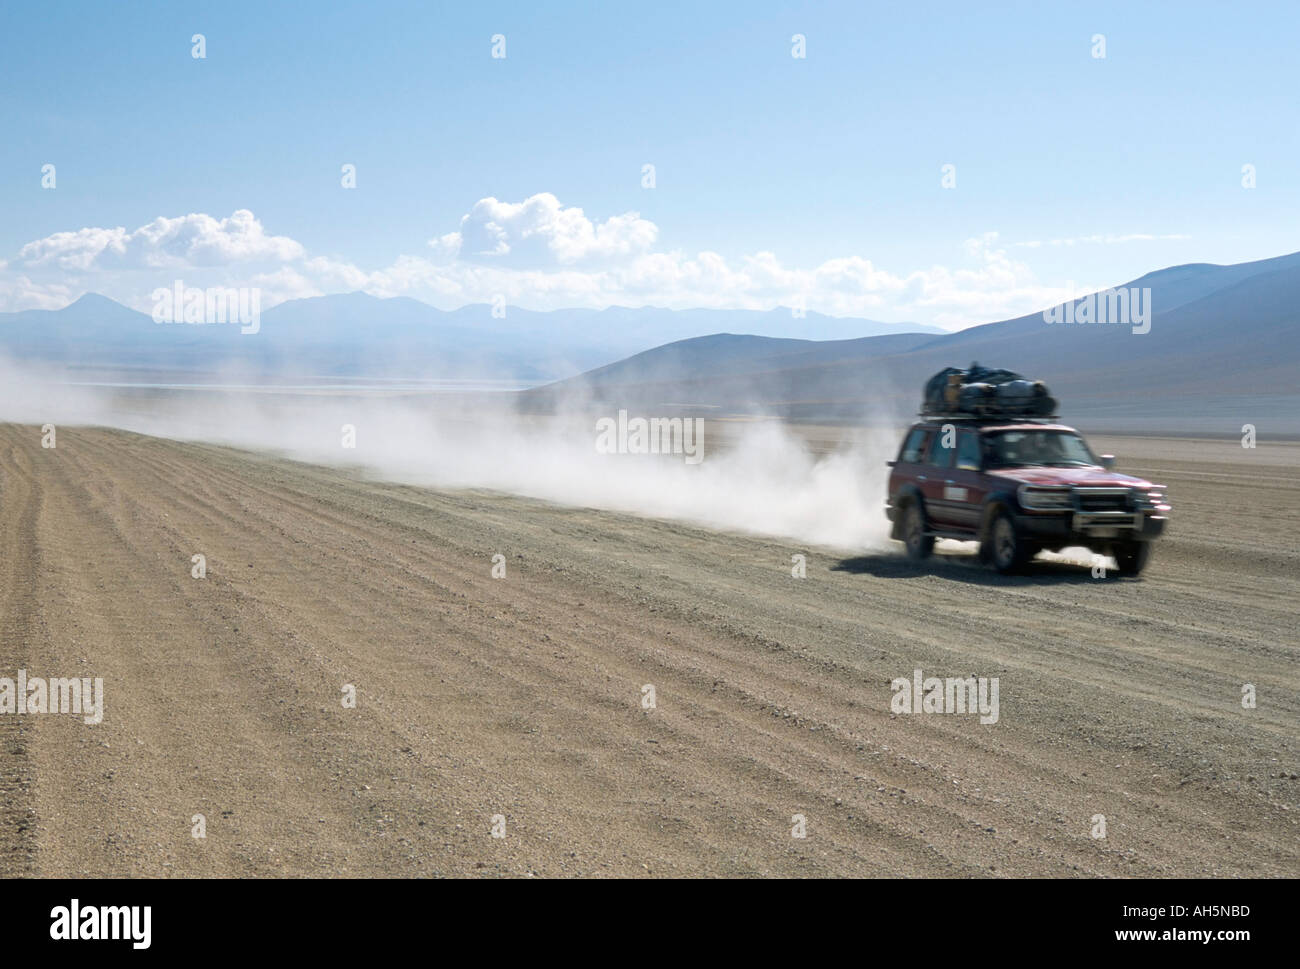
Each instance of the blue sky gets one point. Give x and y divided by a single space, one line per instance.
777 179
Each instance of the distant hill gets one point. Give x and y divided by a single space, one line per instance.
709 357
1224 345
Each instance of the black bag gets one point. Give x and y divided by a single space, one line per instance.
986 392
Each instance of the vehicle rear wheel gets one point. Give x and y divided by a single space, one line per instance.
919 544
1002 547
1132 557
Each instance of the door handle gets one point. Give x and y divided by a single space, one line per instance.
921 477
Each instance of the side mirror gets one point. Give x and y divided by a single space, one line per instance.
890 464
1108 462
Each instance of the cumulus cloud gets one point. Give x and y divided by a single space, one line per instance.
539 231
537 253
22 293
188 240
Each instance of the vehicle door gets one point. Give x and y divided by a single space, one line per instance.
965 486
934 473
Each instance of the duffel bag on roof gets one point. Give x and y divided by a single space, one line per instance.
986 392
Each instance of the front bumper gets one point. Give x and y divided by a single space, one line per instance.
1085 527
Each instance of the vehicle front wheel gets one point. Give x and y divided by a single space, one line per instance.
919 544
1132 557
1002 547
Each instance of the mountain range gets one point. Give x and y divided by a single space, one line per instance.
358 335
1221 348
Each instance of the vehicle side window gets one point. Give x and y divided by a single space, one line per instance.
940 455
914 446
968 451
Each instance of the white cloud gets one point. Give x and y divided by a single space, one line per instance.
536 253
539 231
189 240
21 293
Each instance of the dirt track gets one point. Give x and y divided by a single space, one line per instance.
521 696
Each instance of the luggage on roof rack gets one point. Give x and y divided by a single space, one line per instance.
985 392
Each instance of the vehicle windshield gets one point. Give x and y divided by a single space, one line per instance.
1049 449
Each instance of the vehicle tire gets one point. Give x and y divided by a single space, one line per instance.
919 545
1132 557
1002 547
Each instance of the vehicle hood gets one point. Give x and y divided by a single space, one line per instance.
1080 477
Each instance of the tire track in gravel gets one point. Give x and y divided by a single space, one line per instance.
19 565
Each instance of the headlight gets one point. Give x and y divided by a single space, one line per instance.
1046 498
1157 498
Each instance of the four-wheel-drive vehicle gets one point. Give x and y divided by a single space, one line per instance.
1018 486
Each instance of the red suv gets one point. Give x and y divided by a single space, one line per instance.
1018 487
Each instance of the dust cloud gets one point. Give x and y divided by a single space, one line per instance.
761 477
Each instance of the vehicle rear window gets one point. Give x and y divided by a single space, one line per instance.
914 446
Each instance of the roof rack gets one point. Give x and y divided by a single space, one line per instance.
999 418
